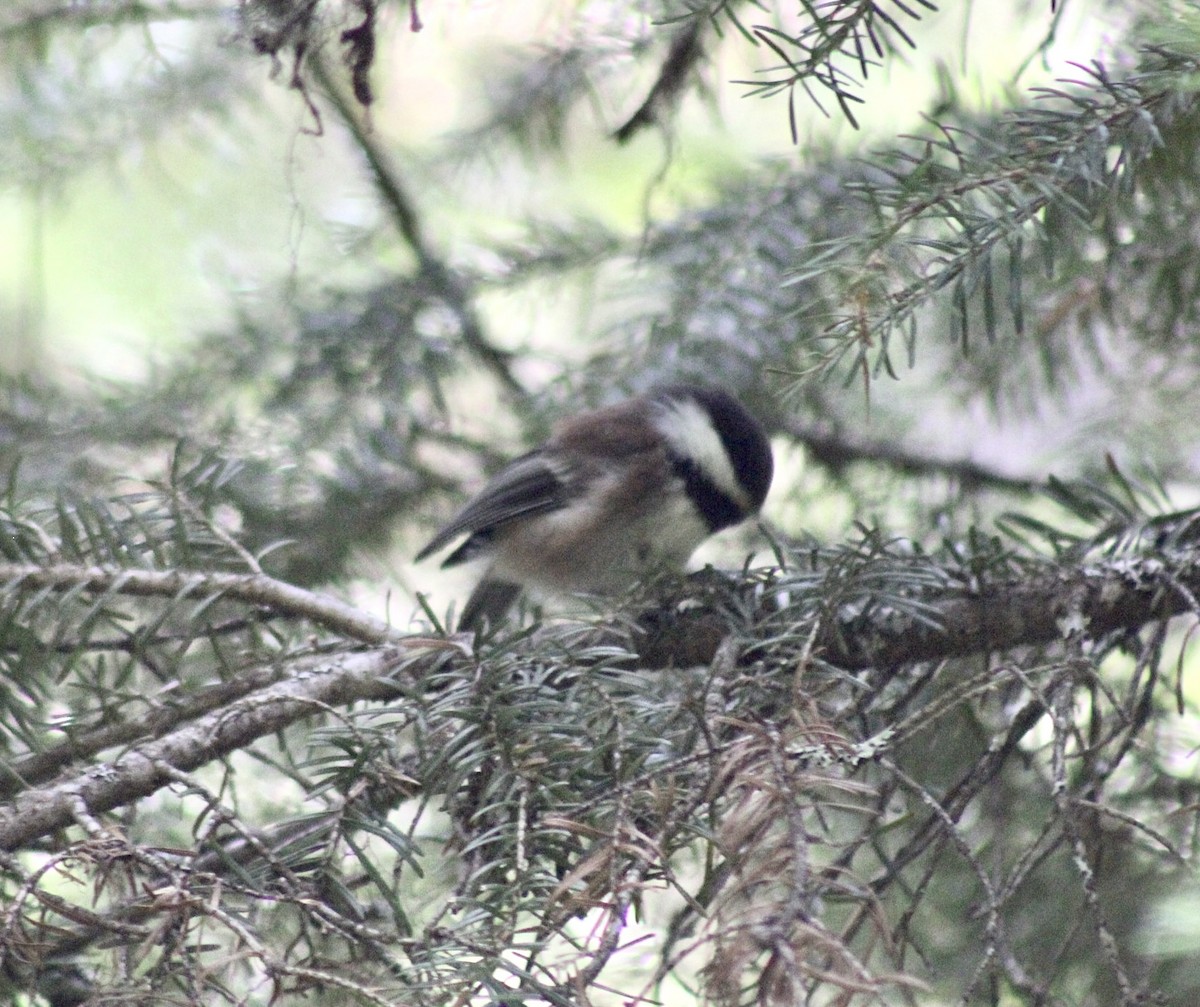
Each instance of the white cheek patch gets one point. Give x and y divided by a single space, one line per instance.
687 428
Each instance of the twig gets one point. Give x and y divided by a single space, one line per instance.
255 589
1059 708
685 52
445 283
132 644
835 452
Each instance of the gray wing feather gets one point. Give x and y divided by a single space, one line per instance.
530 485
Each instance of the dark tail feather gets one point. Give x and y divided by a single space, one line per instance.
490 600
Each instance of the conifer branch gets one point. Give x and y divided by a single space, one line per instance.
311 686
253 589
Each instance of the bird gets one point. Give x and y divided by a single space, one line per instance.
614 494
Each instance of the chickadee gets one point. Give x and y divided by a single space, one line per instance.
613 494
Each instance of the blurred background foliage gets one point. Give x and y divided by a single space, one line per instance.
282 280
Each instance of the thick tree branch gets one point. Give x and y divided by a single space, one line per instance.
38 767
1091 600
311 687
1094 598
